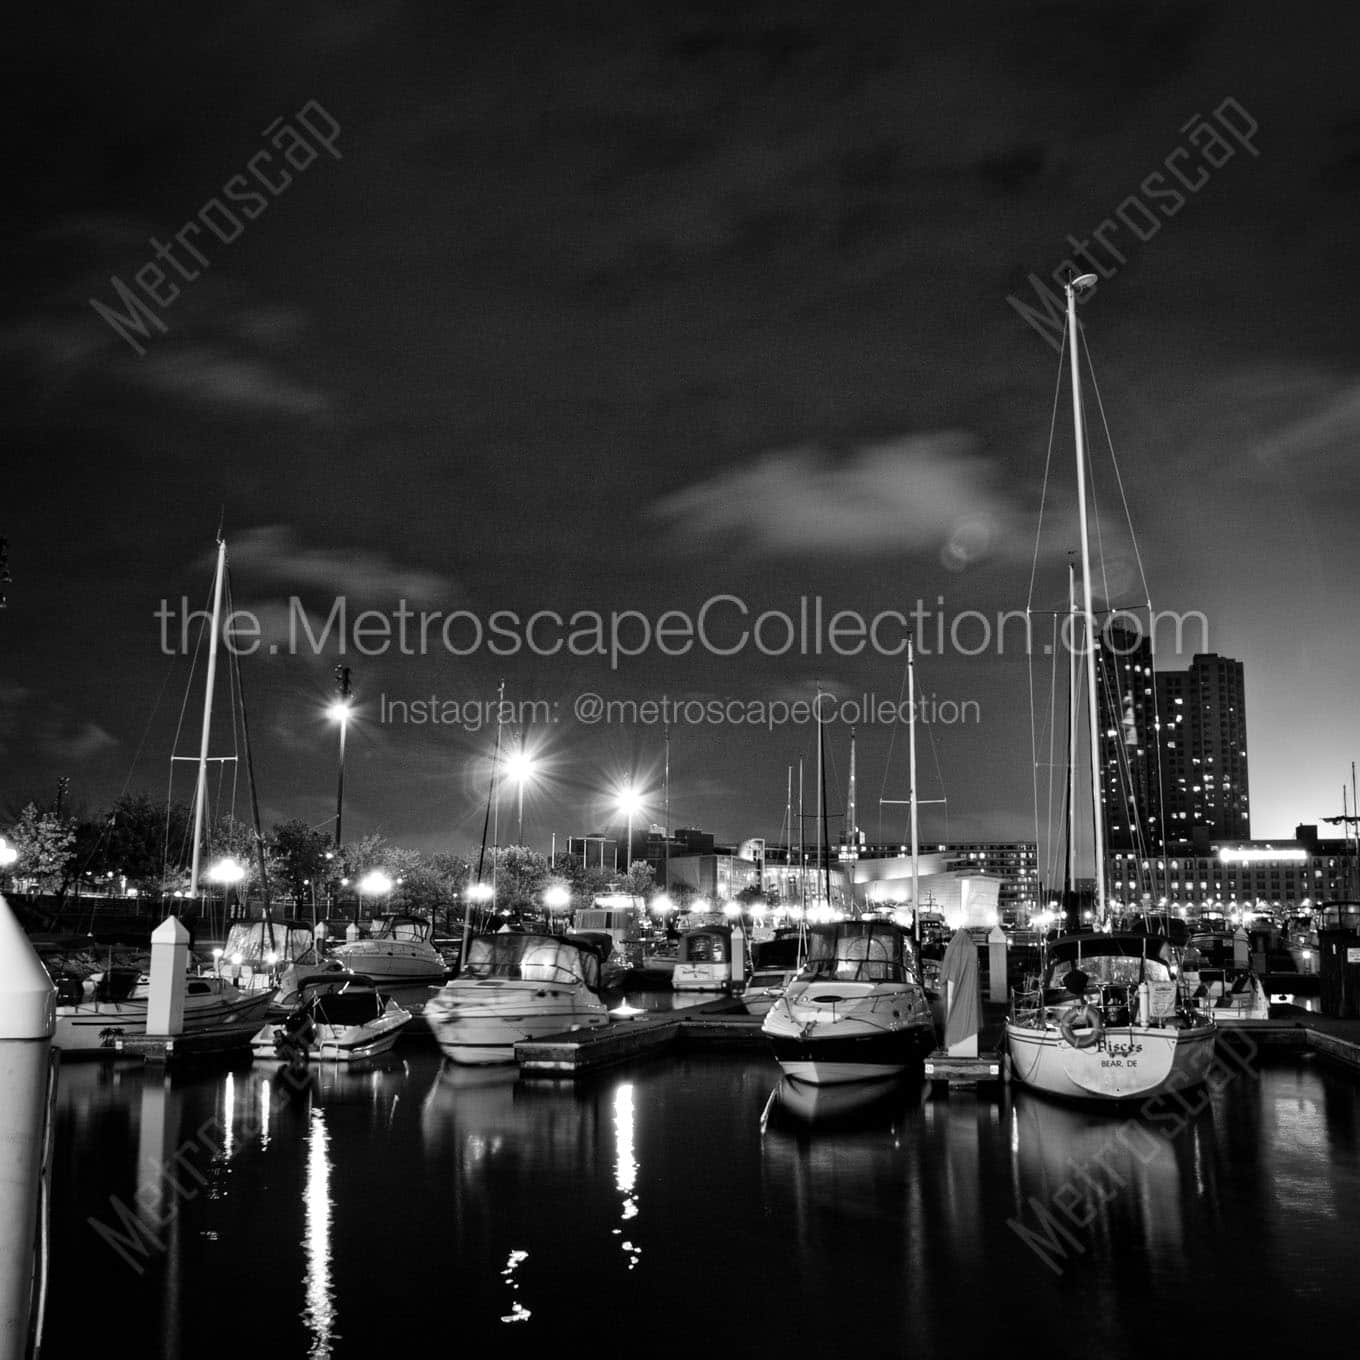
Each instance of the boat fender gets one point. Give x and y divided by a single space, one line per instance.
1086 1018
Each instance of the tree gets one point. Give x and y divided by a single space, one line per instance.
521 875
298 861
44 843
144 840
639 880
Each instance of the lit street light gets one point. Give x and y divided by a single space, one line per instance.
521 767
374 883
629 802
228 873
339 711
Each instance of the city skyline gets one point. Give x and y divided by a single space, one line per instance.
534 315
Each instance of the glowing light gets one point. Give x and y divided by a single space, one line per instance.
479 892
1228 856
226 871
319 1315
375 883
338 711
557 897
661 904
629 800
8 854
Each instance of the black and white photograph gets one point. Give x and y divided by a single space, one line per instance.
679 679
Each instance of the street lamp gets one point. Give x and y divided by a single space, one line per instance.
340 711
476 894
557 898
376 884
629 802
228 873
521 768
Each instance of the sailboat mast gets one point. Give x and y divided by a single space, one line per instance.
911 793
1082 283
802 852
823 861
1072 918
201 789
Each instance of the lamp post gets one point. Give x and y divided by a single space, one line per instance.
340 710
376 884
520 767
557 899
476 894
629 802
228 873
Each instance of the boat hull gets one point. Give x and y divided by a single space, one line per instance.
339 1043
478 1022
391 963
824 1033
1128 1063
94 1028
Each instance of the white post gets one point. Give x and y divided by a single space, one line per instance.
27 1023
996 964
169 976
1241 948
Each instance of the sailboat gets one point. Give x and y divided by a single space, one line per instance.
92 1015
1112 1019
857 1011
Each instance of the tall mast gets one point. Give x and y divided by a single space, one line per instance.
1073 286
851 825
1071 919
911 794
201 790
802 852
666 844
823 862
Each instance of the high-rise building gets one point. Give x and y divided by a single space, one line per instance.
1126 705
1203 716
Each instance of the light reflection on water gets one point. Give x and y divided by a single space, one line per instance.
468 1198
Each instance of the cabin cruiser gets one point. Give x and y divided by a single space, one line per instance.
515 987
340 1017
399 949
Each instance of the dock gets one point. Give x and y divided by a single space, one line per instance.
222 1043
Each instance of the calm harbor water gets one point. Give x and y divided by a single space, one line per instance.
687 1203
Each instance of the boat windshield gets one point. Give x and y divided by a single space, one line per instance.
1109 961
532 958
403 928
860 951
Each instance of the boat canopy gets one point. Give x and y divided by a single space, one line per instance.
861 951
706 944
291 941
564 959
1118 959
414 928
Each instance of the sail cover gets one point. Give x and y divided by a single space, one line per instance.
963 1019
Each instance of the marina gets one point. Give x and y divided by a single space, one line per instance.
535 1193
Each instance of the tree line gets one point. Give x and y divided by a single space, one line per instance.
142 847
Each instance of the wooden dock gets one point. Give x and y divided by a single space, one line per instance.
220 1044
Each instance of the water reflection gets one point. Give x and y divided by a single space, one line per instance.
319 1314
625 1166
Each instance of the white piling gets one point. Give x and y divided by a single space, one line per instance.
27 1023
1241 948
996 964
169 969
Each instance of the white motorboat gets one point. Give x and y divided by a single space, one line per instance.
711 958
340 1017
400 949
857 1010
774 964
514 987
93 1016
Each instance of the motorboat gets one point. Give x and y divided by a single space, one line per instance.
258 955
399 949
857 1010
340 1017
514 987
711 958
774 964
93 1014
1232 989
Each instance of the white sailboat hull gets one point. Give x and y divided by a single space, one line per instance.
1127 1063
480 1020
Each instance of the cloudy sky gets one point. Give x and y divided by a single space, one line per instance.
626 307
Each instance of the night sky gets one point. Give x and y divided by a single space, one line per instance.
601 307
